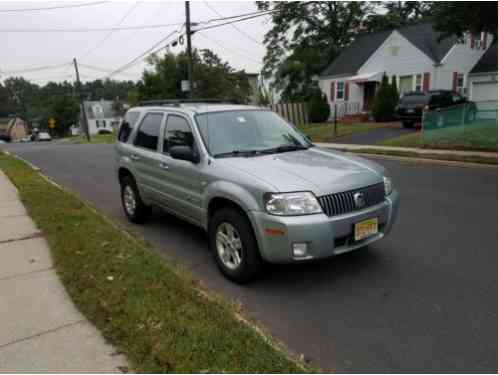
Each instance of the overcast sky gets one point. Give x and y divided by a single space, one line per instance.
34 49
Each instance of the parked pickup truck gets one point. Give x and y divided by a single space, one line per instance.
412 104
258 187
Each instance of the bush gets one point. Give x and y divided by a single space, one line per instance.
384 103
318 107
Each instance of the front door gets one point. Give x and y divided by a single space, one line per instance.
180 178
368 95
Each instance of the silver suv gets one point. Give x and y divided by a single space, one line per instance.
259 188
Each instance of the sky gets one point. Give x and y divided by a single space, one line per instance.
107 50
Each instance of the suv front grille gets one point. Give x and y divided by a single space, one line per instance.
343 203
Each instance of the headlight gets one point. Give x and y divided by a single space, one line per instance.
388 185
290 204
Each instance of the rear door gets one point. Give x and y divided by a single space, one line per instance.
145 155
180 179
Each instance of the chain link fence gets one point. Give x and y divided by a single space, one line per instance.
465 126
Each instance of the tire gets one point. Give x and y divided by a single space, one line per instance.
407 125
250 262
135 210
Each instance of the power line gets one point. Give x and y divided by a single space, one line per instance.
53 7
233 51
108 35
99 69
260 14
35 69
234 26
90 30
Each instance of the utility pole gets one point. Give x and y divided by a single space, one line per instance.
189 49
78 84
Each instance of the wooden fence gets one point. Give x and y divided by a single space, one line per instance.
295 113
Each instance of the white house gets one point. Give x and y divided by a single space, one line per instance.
483 78
413 56
101 116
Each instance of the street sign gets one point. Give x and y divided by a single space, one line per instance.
51 123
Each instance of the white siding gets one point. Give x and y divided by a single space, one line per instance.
355 100
398 56
483 87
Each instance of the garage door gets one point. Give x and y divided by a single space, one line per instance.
484 91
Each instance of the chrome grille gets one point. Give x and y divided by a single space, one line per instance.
343 203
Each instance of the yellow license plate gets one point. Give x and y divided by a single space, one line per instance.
366 228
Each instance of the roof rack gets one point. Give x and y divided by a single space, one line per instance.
178 102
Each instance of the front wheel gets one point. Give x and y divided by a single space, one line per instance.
135 209
234 246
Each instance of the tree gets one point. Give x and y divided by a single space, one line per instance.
393 14
213 78
394 91
65 111
458 18
304 39
7 105
22 93
384 105
318 107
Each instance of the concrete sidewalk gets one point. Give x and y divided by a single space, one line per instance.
419 152
40 329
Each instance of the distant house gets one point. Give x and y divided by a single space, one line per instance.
101 117
12 128
411 55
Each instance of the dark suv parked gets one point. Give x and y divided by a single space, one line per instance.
412 104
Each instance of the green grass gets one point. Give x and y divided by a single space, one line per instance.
325 132
454 138
98 138
148 308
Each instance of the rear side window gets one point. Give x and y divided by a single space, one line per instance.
148 132
127 125
414 99
178 133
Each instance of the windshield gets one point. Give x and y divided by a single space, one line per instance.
233 133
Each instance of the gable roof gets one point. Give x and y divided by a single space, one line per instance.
421 35
488 61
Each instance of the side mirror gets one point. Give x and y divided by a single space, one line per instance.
184 153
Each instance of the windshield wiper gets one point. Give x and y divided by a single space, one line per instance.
236 153
283 148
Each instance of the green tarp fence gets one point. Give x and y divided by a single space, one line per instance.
469 125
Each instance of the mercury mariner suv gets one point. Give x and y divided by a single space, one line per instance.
259 188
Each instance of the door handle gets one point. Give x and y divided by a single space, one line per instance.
134 157
163 166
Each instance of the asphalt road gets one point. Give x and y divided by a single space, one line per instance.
374 137
425 299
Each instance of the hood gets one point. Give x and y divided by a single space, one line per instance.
318 170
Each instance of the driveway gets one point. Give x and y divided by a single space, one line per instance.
422 300
374 136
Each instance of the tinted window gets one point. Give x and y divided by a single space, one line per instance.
178 133
148 133
131 118
414 99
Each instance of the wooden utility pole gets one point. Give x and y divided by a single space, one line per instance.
189 49
78 84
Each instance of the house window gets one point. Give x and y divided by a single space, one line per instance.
97 123
460 84
340 90
418 82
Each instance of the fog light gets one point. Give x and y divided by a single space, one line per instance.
300 250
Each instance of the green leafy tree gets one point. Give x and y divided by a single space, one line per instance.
383 108
65 110
304 39
458 18
7 105
213 78
394 91
318 107
393 14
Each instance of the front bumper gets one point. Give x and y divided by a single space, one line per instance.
325 236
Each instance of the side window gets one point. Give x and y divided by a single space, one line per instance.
127 125
148 132
340 90
178 133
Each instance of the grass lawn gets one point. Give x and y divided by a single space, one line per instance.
478 139
325 132
151 310
98 138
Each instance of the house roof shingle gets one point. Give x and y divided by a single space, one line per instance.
488 62
422 35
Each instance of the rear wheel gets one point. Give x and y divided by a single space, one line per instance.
135 209
234 246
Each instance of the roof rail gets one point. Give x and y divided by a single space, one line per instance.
178 102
